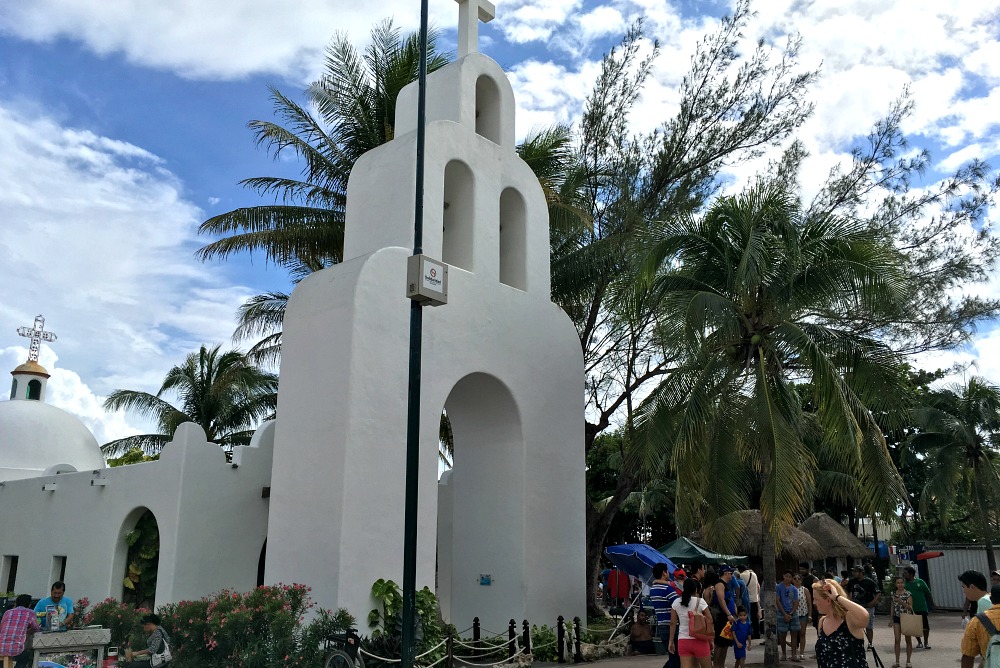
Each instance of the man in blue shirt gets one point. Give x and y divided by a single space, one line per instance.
662 595
63 608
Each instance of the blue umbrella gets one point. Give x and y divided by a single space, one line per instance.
638 559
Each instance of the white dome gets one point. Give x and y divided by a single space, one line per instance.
35 436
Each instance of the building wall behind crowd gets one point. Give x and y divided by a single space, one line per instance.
211 517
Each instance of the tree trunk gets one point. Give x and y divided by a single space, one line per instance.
769 576
598 524
985 532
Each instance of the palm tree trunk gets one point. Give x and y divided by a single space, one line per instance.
598 524
985 530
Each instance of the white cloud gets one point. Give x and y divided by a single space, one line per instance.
97 238
601 21
212 40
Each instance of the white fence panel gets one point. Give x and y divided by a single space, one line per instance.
943 572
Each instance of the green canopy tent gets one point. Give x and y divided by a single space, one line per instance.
685 550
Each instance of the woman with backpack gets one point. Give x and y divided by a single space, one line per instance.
691 618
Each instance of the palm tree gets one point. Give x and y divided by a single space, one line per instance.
356 102
958 437
753 289
220 391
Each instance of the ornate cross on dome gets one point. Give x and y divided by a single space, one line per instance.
37 334
468 23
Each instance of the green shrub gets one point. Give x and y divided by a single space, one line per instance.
122 619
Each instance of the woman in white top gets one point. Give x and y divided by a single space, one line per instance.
694 653
802 611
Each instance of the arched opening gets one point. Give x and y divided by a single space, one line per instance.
34 390
513 239
261 564
488 108
481 519
459 215
13 389
137 558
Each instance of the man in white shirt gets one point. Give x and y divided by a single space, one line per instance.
753 588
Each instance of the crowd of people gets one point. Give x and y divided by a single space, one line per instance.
724 606
56 613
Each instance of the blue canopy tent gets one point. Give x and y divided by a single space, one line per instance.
637 559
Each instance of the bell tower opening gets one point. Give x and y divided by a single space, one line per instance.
488 108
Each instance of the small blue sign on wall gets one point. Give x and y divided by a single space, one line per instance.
485 579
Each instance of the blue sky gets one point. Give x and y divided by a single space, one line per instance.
123 126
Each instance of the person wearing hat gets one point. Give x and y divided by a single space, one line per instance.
678 584
865 593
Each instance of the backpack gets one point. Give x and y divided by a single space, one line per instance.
993 648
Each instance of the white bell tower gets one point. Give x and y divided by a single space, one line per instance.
506 527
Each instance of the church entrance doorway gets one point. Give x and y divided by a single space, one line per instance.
138 558
481 521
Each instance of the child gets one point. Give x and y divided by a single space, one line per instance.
742 638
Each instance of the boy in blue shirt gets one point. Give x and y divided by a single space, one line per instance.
741 637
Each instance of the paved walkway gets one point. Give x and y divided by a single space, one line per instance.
945 638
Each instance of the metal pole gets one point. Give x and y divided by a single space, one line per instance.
413 399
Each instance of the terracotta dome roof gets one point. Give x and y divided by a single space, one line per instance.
31 367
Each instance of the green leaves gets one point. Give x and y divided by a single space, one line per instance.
220 391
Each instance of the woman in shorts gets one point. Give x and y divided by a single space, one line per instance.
694 653
902 602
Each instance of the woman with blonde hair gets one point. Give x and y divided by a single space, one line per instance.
840 638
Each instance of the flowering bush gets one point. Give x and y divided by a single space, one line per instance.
122 619
258 629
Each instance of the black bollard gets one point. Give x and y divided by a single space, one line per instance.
449 650
577 653
526 638
476 637
561 639
511 639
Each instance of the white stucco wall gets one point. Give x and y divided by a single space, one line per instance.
505 361
211 518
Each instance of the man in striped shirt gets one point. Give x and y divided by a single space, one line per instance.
662 595
15 626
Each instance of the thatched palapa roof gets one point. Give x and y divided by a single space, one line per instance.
742 533
836 539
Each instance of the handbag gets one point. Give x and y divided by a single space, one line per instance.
911 624
727 631
699 627
161 658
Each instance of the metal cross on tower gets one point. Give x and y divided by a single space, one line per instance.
37 334
468 23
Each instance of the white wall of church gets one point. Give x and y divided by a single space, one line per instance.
211 517
505 359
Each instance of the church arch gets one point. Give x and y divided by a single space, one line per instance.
35 390
513 239
488 108
136 560
13 389
481 501
459 215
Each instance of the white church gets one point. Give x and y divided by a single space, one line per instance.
317 497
